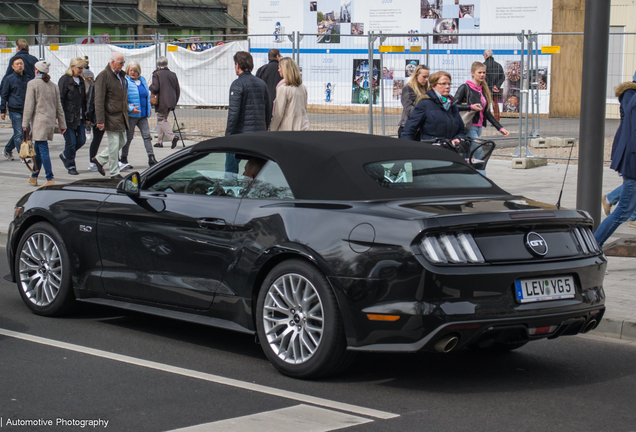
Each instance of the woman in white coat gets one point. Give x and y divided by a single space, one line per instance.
290 105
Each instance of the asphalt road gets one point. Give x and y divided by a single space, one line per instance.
143 373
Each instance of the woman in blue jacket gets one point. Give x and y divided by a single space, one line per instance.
434 114
139 110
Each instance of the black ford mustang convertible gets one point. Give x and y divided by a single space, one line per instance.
322 245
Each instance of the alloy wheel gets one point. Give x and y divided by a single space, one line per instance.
40 269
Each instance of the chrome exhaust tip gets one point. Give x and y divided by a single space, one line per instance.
446 344
589 326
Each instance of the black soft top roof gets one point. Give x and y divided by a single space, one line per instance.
329 165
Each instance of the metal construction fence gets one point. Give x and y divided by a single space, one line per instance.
354 82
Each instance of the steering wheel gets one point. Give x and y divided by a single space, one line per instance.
199 186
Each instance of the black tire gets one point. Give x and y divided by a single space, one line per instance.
42 269
307 343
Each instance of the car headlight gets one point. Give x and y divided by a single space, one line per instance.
454 248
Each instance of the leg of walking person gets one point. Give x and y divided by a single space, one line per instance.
231 163
163 128
38 164
625 208
110 155
144 127
97 140
16 138
130 134
474 133
45 161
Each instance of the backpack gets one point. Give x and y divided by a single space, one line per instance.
261 71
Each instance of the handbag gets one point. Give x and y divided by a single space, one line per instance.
467 116
154 97
27 151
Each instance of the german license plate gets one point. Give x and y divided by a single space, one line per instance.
552 288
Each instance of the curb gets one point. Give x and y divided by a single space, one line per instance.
616 328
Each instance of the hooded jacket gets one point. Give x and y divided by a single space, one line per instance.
433 120
624 146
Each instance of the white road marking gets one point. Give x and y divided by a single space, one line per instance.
203 376
293 419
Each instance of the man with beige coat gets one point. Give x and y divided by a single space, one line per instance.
111 112
42 106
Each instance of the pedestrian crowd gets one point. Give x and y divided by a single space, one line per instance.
112 103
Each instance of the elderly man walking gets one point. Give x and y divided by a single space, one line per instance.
494 78
166 85
111 113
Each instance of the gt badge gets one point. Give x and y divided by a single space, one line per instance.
536 244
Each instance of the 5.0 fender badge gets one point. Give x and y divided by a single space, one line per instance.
86 228
536 244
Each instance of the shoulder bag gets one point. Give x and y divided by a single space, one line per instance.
27 151
467 116
154 97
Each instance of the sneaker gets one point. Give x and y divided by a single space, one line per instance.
49 183
175 140
99 166
73 171
33 181
8 155
92 166
123 166
607 206
63 159
632 224
158 145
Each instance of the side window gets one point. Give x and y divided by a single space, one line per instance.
205 175
270 183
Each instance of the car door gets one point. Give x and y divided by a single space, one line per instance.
170 244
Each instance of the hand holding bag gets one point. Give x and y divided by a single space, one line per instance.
27 151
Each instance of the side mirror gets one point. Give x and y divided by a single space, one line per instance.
130 185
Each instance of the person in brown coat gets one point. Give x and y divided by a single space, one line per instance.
166 84
42 106
111 113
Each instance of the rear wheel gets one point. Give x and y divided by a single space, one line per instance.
298 322
42 271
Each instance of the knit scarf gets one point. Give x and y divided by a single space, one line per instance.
446 102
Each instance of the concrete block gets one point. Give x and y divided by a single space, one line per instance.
560 142
609 327
538 143
175 128
526 163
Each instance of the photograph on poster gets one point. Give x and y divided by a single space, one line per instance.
467 11
445 31
329 16
431 9
398 85
541 78
387 73
357 28
410 66
364 82
511 86
313 6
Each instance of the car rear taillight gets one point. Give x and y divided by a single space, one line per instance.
586 240
453 248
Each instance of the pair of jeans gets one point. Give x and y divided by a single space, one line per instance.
144 128
613 198
110 156
42 158
475 132
231 163
16 139
625 208
74 139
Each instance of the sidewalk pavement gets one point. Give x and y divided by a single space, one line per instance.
540 184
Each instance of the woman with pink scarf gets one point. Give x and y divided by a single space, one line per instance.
475 96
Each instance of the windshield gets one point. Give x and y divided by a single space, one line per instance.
425 174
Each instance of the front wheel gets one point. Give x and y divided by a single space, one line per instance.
299 324
43 273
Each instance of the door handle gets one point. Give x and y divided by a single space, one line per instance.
211 223
158 195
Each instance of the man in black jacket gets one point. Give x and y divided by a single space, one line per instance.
22 52
494 78
250 108
269 73
13 94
